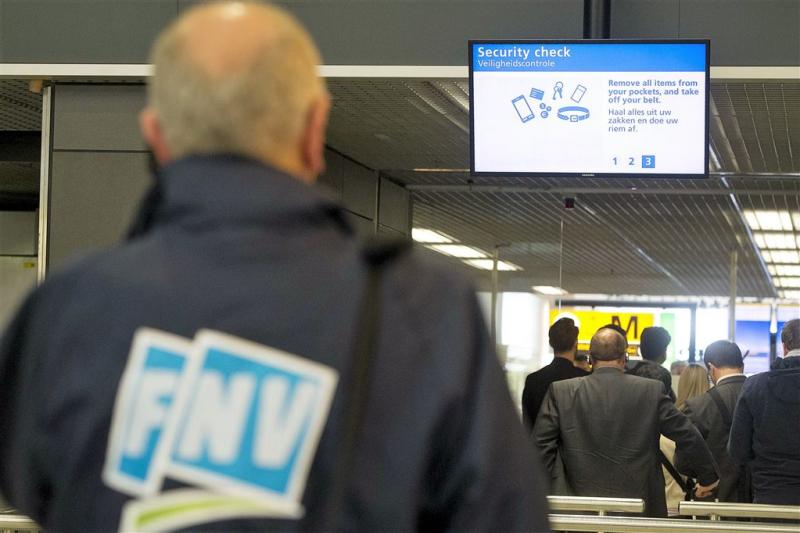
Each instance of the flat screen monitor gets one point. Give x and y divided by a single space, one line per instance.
589 108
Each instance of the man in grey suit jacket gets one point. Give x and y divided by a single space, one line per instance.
712 414
599 434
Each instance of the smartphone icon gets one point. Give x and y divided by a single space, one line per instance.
577 94
523 109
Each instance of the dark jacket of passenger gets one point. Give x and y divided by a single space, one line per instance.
241 248
644 368
706 416
601 434
766 433
537 383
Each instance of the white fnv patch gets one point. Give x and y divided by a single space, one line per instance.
223 413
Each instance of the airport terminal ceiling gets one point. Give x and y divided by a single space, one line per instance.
624 236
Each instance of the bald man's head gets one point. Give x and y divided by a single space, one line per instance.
607 345
235 77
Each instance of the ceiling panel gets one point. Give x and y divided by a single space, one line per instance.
20 109
625 236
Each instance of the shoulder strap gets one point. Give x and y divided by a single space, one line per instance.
377 254
724 412
673 471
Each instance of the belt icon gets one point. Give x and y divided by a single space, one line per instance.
573 113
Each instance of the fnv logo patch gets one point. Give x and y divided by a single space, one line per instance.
218 412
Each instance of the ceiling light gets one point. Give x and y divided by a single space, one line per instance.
458 250
790 295
549 290
793 283
776 241
785 270
488 264
772 270
430 236
785 257
796 219
769 220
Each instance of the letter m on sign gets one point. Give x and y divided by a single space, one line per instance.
633 322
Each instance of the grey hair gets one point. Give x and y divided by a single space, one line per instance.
790 335
257 110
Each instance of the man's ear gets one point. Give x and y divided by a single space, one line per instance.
150 127
313 139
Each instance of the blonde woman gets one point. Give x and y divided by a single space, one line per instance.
693 382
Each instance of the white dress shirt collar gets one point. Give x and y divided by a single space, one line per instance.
723 378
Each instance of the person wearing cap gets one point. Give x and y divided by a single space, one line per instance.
765 434
712 414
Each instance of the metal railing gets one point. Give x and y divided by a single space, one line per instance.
15 522
717 510
596 505
624 524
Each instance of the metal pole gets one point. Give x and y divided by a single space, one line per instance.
773 333
495 291
596 19
561 265
732 301
44 184
693 335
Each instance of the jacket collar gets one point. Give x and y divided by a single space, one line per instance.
561 361
226 188
607 370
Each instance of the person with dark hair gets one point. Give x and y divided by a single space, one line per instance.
765 434
712 414
599 434
563 335
653 347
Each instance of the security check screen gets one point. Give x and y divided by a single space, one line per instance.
589 108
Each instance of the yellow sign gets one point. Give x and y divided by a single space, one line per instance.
589 322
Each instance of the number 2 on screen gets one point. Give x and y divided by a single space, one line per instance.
630 161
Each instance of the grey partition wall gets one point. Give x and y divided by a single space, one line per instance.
98 174
98 168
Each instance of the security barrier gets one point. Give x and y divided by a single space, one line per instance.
619 524
596 505
717 510
13 523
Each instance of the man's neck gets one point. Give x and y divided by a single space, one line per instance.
727 372
569 356
608 364
792 353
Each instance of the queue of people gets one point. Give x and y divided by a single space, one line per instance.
617 433
347 386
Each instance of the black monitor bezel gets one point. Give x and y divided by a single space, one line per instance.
632 175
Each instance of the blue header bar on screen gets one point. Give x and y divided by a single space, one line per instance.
589 57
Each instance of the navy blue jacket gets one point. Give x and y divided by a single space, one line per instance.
765 433
240 248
